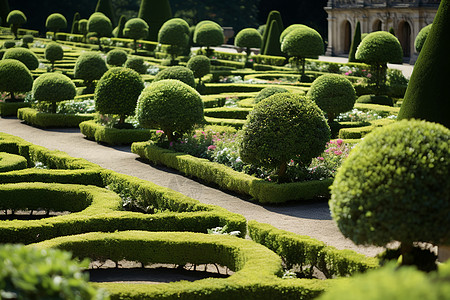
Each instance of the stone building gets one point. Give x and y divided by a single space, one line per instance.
407 17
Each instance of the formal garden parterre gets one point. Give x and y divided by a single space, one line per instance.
276 126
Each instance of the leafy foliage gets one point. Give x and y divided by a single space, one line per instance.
24 55
116 57
53 52
174 32
55 22
90 66
100 24
269 91
181 73
136 63
14 76
53 87
380 47
199 65
421 37
208 34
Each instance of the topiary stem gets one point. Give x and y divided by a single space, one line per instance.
282 172
330 117
406 251
135 47
122 119
54 107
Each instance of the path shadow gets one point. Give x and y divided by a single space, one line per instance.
316 209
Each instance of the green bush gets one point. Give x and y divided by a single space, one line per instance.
14 77
10 162
355 43
53 52
269 91
199 65
24 55
155 13
27 39
117 92
15 19
90 66
83 28
101 25
9 109
9 44
53 87
401 168
136 63
208 34
272 45
170 105
274 15
118 31
283 127
116 57
373 99
248 38
135 29
105 7
333 93
30 273
228 112
183 74
421 37
175 33
289 29
55 22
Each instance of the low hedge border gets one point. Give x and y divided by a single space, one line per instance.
220 88
227 112
228 179
257 268
113 136
211 101
11 162
225 122
247 103
360 132
306 252
377 107
46 120
9 109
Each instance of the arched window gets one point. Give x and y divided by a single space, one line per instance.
404 36
377 25
347 30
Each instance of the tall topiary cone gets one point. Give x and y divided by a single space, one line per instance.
273 46
4 11
155 13
428 93
273 15
355 43
76 18
105 7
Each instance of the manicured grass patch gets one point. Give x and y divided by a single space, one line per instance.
46 120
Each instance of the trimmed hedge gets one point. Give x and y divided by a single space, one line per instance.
10 162
8 109
46 120
218 100
257 268
225 122
218 88
308 253
227 112
113 136
360 132
227 178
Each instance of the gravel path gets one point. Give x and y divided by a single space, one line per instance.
310 218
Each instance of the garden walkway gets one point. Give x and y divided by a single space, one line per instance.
310 218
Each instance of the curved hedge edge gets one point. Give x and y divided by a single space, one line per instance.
46 120
236 123
8 109
360 132
247 103
377 107
113 136
305 251
227 112
227 178
11 162
256 276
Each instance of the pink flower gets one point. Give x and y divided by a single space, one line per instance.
339 142
320 158
159 131
171 144
211 147
369 75
338 152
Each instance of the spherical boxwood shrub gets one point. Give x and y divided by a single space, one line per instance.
101 25
117 92
53 87
333 93
32 273
394 186
135 29
200 65
116 57
208 35
55 22
290 29
90 66
177 72
282 127
174 32
248 38
136 63
24 55
9 44
16 18
170 105
53 52
27 39
14 77
421 37
269 91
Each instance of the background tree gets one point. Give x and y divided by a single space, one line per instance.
355 43
14 77
53 87
136 63
208 34
248 38
180 73
4 11
15 19
136 29
116 57
428 91
421 38
274 15
75 19
55 22
90 66
106 7
83 28
175 34
101 25
269 91
53 52
118 31
200 65
27 39
155 13
272 45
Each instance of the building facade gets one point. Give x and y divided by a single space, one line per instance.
407 17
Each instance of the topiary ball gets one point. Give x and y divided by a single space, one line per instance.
14 76
117 91
90 66
100 24
170 105
24 55
248 38
116 57
27 39
380 47
9 44
53 87
333 93
200 65
174 32
303 42
177 72
136 63
55 22
269 91
53 52
421 37
290 29
16 17
394 186
135 29
282 127
208 35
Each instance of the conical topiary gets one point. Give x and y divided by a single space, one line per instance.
105 7
118 31
428 93
4 11
273 46
76 18
273 15
155 13
355 43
